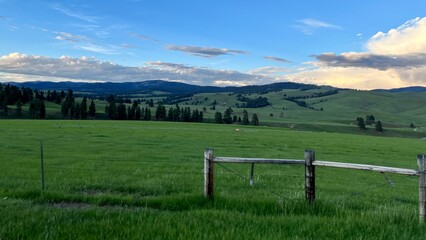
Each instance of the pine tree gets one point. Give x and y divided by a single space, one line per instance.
111 110
121 112
42 110
369 120
92 109
32 109
171 114
360 123
148 115
83 109
227 116
218 117
379 127
200 117
138 113
19 109
77 110
151 103
177 114
255 120
234 119
245 118
130 114
64 109
195 115
160 113
72 110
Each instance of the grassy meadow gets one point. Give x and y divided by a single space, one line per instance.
144 180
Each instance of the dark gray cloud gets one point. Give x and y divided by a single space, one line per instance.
367 60
91 69
204 51
277 59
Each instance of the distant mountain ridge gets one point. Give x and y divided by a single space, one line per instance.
404 89
157 85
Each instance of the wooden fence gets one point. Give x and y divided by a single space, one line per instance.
310 164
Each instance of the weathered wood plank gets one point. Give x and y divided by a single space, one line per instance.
257 160
403 171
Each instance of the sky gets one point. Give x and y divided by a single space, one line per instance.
351 44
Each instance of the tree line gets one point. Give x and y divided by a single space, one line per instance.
116 108
228 118
119 111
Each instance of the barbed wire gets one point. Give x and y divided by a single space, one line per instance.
247 179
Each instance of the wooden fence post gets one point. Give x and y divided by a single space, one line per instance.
422 187
208 173
309 176
42 166
252 174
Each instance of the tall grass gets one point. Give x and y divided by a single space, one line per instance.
144 180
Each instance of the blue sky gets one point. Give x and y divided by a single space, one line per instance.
357 44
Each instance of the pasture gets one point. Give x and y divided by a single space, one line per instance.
144 180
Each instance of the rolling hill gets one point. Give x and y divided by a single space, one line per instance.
289 105
156 85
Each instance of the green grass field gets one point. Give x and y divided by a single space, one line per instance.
144 180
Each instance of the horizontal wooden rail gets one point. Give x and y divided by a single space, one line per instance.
403 171
257 160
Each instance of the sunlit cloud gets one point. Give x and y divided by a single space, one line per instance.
90 69
269 71
393 59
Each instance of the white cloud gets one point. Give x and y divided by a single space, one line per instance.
91 69
409 38
84 43
98 48
308 25
65 36
393 59
74 14
269 71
